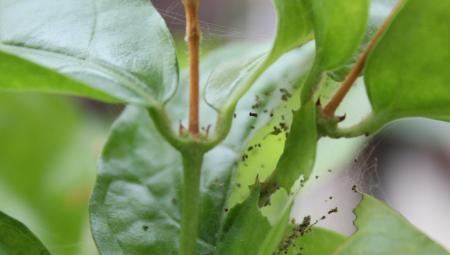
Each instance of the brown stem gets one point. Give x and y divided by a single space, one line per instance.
331 107
193 39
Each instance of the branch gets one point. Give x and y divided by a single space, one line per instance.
331 107
193 38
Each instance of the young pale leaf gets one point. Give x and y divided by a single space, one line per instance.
271 100
294 29
383 231
17 239
270 93
317 241
230 74
339 27
240 237
276 90
407 73
119 48
299 152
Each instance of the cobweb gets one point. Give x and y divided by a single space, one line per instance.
212 30
364 171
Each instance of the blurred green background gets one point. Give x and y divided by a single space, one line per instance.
48 149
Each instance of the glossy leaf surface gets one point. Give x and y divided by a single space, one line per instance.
20 75
339 27
121 48
407 73
135 206
383 231
17 239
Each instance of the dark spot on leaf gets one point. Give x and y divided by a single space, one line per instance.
285 95
283 126
276 131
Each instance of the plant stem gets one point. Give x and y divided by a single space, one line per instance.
193 38
368 126
334 103
192 164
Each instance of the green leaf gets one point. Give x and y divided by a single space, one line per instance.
19 75
379 11
119 48
383 231
17 239
317 241
240 237
294 29
294 26
407 73
135 205
339 27
299 151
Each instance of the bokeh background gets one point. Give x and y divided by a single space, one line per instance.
49 145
